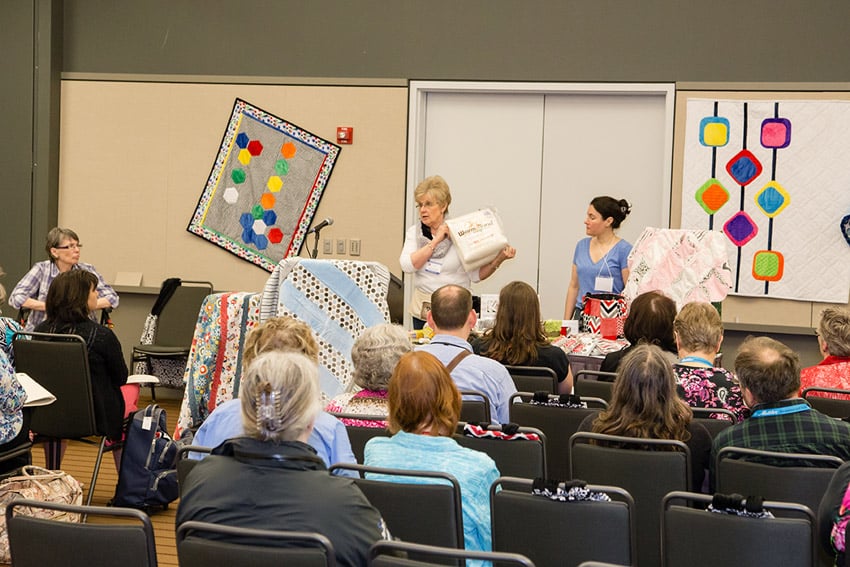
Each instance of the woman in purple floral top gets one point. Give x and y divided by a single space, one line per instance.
699 333
374 354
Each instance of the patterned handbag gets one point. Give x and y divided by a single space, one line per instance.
603 314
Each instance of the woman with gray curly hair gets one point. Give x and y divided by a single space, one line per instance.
375 354
270 477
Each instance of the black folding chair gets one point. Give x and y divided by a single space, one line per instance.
421 513
832 407
586 530
533 378
249 546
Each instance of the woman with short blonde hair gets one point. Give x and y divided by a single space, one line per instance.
833 371
698 331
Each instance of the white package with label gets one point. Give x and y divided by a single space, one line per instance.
478 237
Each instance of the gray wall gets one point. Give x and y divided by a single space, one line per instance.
542 40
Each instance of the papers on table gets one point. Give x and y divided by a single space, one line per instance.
142 379
37 395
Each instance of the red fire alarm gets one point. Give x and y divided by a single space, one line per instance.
345 135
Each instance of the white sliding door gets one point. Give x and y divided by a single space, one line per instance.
539 153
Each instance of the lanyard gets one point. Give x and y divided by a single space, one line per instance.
699 359
770 412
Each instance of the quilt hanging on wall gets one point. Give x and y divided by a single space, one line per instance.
265 185
774 178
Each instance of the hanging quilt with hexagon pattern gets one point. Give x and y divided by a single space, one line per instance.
774 177
265 185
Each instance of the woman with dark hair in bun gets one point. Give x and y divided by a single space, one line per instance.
599 261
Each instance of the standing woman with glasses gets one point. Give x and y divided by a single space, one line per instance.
63 251
428 252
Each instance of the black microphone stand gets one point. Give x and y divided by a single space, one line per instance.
315 252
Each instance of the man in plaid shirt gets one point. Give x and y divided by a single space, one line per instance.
769 373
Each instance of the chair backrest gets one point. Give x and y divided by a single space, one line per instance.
584 385
420 513
60 363
586 530
201 544
401 554
557 423
829 401
533 378
711 419
524 458
360 435
694 537
647 468
185 462
128 541
475 407
786 477
175 326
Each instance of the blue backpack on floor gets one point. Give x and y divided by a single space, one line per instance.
148 475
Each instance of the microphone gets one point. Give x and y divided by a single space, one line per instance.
327 222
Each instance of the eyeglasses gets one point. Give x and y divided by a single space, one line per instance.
426 204
76 246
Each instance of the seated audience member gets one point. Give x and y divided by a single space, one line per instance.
452 319
517 338
374 355
644 404
424 408
282 334
14 419
834 514
699 333
270 478
769 374
63 252
834 344
70 300
650 321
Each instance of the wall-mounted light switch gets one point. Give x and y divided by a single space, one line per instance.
340 246
327 246
355 247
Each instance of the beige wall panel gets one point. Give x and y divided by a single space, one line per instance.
135 158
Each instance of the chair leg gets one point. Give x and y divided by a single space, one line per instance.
96 470
53 454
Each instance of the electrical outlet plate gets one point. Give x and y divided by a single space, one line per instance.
327 246
340 246
355 246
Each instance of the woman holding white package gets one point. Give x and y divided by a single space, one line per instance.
599 261
429 254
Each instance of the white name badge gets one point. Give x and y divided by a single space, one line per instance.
433 267
604 283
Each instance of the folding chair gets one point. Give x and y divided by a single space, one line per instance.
586 530
360 435
201 544
186 461
831 404
126 541
475 407
533 378
421 513
694 537
588 383
175 326
647 468
524 458
711 420
399 554
60 363
557 423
